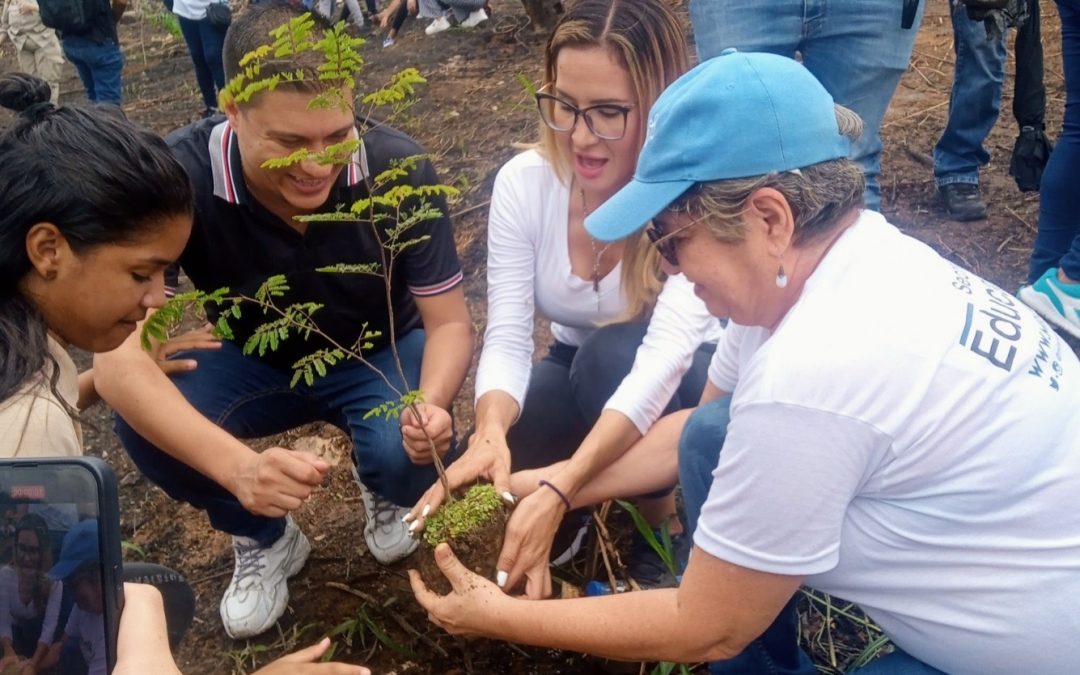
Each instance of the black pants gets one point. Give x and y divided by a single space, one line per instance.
569 387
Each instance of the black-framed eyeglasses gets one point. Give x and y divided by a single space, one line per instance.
605 120
665 241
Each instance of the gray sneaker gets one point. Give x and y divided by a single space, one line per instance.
386 536
259 590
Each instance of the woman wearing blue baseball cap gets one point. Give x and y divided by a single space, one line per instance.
884 426
629 341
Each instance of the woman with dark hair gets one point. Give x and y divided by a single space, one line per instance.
29 600
82 253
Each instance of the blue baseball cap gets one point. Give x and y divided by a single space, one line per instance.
737 115
80 547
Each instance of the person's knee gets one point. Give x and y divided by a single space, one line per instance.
703 435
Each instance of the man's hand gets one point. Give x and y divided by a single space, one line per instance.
526 550
439 427
306 662
487 457
473 601
200 338
275 482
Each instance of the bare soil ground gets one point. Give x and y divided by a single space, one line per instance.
469 115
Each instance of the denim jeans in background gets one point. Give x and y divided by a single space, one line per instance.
100 66
856 48
250 399
777 650
1057 243
204 42
974 102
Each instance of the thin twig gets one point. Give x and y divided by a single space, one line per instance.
470 209
1016 215
398 619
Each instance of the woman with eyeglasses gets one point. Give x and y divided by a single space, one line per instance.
627 341
885 426
29 600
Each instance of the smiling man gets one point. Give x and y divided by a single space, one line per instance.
183 431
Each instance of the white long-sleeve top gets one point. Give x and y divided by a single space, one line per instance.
13 610
529 270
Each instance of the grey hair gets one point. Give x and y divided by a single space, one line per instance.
818 194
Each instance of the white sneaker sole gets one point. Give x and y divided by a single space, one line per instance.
298 556
1046 309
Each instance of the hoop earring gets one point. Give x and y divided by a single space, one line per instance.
50 275
781 277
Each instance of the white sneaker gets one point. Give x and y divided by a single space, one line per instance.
475 18
258 593
438 25
386 536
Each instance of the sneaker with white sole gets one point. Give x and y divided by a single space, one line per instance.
259 590
475 19
386 536
437 26
1057 302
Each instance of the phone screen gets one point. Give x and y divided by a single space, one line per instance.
54 590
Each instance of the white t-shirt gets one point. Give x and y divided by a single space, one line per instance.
34 422
909 439
529 270
89 629
12 610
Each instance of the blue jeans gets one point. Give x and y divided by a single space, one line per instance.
974 102
249 399
897 663
100 66
856 48
1057 243
204 42
777 650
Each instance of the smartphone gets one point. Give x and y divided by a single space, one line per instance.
61 580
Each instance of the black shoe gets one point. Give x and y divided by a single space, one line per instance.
571 536
963 201
647 568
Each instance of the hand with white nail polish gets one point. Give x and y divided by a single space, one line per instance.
486 458
473 606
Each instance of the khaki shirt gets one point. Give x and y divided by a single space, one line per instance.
25 27
34 422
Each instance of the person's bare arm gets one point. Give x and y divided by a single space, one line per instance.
716 612
447 354
270 483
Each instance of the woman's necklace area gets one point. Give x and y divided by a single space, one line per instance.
597 250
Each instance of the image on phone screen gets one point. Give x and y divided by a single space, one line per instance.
52 588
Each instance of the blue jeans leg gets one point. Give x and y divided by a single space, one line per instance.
204 42
974 102
1058 240
100 66
856 48
897 663
777 649
349 391
248 399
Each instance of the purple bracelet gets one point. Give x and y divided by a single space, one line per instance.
558 492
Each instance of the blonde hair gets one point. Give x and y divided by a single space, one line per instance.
818 194
648 40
